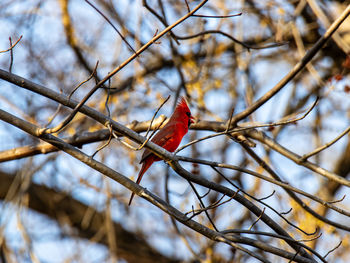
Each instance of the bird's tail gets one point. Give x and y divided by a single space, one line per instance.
144 168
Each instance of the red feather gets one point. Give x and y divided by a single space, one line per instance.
169 137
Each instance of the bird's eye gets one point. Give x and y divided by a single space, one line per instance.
188 114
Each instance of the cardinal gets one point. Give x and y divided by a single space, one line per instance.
168 137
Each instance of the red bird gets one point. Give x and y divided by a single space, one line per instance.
168 137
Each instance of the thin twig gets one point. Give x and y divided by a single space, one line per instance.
203 206
148 129
202 196
337 201
107 98
287 212
106 143
154 115
12 46
161 19
230 119
325 146
224 16
295 255
247 46
51 118
212 206
84 81
330 251
188 7
108 125
11 55
257 220
267 197
109 22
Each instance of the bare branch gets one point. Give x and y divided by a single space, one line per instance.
226 16
11 46
320 149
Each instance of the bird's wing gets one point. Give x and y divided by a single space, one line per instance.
164 138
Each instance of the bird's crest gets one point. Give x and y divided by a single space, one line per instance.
182 104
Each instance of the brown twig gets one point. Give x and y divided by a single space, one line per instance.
11 55
325 146
267 197
333 249
257 220
154 115
204 208
107 142
84 81
247 46
12 46
224 16
216 204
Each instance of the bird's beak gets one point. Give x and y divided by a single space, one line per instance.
192 119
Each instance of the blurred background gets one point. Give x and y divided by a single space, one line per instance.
53 208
